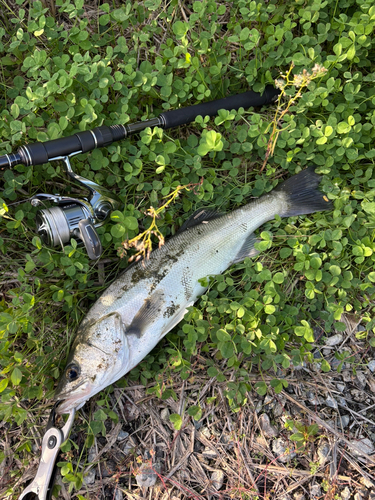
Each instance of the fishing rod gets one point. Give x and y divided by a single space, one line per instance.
80 217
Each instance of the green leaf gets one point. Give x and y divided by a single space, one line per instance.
278 278
36 241
368 207
261 388
262 245
351 53
169 147
304 331
212 371
223 336
325 366
203 149
269 309
211 138
15 110
70 271
117 231
19 215
328 131
3 384
266 235
29 266
299 59
343 128
53 131
159 170
16 376
63 122
180 29
66 469
227 349
176 420
195 411
100 415
117 216
335 270
131 223
240 312
278 385
285 253
298 436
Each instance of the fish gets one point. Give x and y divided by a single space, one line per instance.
153 295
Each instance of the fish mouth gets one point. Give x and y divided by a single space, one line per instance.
73 399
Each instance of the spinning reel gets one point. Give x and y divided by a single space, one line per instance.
75 217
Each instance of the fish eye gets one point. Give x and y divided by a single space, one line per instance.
72 372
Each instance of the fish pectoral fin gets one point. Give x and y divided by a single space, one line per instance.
199 217
146 314
247 249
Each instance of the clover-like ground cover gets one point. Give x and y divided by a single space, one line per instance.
287 337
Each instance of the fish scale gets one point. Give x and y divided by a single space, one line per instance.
152 296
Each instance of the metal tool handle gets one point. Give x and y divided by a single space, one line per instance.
52 441
51 444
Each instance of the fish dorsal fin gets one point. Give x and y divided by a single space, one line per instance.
247 249
199 217
150 309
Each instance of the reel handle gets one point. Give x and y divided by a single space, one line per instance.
90 239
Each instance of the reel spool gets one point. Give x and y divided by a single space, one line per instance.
56 225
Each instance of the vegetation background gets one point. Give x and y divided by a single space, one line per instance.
68 66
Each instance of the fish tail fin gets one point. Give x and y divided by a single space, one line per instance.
302 195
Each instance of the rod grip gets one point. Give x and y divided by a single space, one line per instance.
81 142
183 116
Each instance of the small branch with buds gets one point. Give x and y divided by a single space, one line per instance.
300 82
142 242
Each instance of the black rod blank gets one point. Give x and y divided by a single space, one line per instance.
183 116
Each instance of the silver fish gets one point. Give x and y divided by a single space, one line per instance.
152 296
